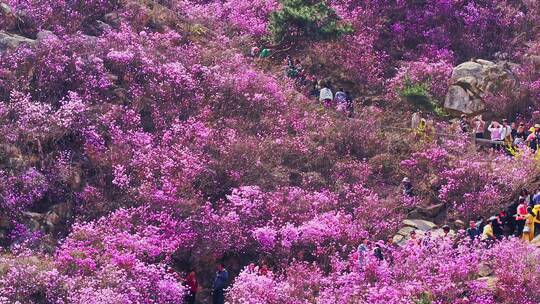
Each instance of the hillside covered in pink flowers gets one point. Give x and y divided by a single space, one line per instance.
143 140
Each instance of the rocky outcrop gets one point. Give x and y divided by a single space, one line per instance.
472 80
8 20
420 224
11 41
421 227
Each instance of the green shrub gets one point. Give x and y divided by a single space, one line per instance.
417 93
306 19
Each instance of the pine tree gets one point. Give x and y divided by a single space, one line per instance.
306 19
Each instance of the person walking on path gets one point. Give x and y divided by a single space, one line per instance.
407 187
532 225
350 104
220 283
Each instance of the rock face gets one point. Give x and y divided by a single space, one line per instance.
471 80
421 227
419 224
10 41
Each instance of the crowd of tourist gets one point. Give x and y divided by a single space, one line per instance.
506 134
521 220
321 90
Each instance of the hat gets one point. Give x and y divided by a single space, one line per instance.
493 218
463 115
406 180
446 227
537 126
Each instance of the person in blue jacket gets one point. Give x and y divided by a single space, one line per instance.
220 283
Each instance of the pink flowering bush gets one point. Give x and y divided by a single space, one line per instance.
138 138
438 271
435 74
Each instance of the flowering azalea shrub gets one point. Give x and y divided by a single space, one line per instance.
434 74
138 137
436 272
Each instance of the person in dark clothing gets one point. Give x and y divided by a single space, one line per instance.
350 103
511 217
533 138
473 231
464 124
220 283
315 90
506 223
497 228
290 62
377 252
521 134
407 187
513 126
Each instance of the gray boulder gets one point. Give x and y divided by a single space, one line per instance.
422 225
459 100
431 211
11 41
44 34
472 80
5 9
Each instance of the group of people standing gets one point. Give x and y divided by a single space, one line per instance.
521 219
342 100
322 90
505 133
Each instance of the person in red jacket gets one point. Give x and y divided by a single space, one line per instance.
521 216
191 282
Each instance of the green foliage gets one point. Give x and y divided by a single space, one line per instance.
424 299
306 19
417 93
413 90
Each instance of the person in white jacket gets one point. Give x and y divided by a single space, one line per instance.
506 132
326 96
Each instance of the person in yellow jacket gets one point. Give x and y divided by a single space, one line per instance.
487 234
420 129
533 219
